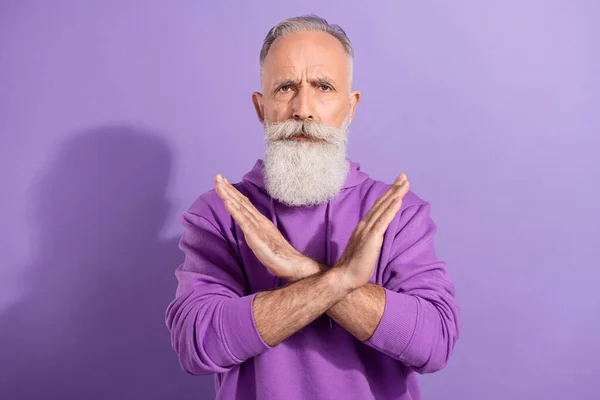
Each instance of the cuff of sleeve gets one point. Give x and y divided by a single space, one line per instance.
397 326
240 328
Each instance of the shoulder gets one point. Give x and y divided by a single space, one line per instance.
209 207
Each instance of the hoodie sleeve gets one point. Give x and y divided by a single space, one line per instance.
420 323
210 320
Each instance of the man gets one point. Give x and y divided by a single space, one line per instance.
308 279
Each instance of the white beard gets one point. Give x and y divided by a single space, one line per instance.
305 173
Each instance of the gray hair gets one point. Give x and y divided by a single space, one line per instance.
306 23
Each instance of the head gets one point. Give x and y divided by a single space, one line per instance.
306 107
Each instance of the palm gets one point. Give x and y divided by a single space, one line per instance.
266 242
263 238
361 253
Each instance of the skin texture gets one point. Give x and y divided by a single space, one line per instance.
341 291
306 76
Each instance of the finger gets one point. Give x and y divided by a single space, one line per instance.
227 196
221 188
385 196
233 204
404 189
218 178
222 192
240 199
240 217
399 180
245 220
233 192
384 221
399 194
378 209
238 204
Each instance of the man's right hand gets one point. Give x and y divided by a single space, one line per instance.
360 256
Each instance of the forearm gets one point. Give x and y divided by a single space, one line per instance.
359 312
280 313
362 312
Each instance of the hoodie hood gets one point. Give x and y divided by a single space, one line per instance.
355 175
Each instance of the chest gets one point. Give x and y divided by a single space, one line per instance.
320 233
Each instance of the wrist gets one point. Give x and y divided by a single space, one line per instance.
346 278
341 280
305 267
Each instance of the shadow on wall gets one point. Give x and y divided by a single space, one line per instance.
92 325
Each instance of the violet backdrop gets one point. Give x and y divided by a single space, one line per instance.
115 115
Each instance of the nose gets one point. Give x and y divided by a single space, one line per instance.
303 104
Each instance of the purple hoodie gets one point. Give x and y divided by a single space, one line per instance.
211 322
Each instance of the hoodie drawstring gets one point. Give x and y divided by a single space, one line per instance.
328 258
328 245
273 217
274 221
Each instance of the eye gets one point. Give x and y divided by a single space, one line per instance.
285 88
325 88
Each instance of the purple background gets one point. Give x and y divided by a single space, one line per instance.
114 118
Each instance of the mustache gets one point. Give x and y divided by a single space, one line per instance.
309 128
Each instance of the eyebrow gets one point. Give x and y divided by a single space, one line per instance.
285 82
322 80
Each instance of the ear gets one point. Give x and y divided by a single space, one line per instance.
354 100
259 106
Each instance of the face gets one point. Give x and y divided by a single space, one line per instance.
306 76
306 108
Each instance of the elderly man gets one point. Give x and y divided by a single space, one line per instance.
308 279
